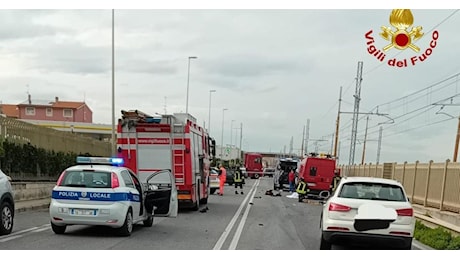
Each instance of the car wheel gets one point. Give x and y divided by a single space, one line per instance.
408 247
6 215
149 221
324 245
58 229
127 227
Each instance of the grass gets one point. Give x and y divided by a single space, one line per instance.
437 238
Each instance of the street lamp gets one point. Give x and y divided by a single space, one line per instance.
188 81
222 137
209 121
114 144
231 131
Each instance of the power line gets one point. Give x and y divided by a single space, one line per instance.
421 90
418 127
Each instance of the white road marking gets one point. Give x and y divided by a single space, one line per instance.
239 230
230 225
21 233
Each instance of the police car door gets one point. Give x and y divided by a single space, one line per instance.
161 193
134 194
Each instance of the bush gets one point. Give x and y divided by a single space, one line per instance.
454 244
437 238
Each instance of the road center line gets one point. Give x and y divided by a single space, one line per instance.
229 227
239 230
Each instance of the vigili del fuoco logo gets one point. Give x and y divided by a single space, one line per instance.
401 35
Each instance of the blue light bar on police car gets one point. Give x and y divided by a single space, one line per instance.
99 160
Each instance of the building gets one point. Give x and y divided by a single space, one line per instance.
67 116
55 110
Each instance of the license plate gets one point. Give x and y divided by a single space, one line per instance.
84 212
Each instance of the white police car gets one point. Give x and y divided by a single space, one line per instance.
98 191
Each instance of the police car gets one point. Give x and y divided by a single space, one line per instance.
100 191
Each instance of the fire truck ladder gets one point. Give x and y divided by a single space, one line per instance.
179 152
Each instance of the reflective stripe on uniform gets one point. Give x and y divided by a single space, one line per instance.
237 177
302 188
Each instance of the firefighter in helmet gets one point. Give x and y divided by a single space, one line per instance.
302 189
335 180
238 179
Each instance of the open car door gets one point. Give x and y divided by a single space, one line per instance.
160 193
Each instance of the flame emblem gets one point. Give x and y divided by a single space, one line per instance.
401 38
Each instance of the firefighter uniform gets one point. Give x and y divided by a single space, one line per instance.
238 179
302 189
335 182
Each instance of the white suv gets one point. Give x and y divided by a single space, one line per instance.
6 204
364 210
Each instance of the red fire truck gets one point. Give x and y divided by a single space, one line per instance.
253 165
151 143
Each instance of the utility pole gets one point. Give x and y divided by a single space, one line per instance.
380 144
457 140
307 136
114 142
357 97
303 141
365 139
337 125
241 140
291 146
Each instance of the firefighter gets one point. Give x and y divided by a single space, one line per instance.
302 189
238 179
335 180
222 178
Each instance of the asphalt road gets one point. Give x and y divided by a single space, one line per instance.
253 221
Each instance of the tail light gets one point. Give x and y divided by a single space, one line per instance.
338 207
409 212
59 181
115 182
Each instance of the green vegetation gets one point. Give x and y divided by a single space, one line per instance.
25 161
437 238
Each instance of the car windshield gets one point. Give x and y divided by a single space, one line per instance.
88 179
372 191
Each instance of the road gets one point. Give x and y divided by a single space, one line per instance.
253 221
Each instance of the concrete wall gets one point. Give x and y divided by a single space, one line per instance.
24 191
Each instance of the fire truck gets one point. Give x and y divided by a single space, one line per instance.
253 165
318 172
176 142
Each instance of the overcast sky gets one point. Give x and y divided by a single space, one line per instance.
272 69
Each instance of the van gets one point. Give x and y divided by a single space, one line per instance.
318 173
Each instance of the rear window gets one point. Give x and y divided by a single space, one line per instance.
372 191
88 179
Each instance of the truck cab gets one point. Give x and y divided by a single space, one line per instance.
253 165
